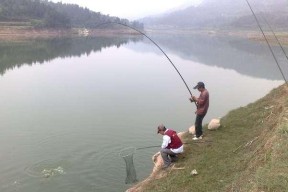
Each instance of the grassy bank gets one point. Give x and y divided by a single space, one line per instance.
247 153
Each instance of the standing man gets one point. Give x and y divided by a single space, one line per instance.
171 145
202 103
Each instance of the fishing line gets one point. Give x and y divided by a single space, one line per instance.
127 154
267 42
275 37
156 46
154 146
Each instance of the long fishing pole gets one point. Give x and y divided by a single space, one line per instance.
267 42
123 24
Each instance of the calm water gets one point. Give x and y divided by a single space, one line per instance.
68 107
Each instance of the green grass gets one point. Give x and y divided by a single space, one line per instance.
247 153
273 176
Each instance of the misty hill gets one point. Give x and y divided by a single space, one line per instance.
223 14
43 13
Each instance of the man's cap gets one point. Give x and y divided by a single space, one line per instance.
161 127
199 85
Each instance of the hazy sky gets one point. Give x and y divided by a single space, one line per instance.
130 9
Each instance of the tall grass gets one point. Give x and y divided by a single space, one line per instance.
273 176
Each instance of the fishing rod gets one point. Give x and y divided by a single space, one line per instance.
267 42
123 24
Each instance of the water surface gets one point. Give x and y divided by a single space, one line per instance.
68 107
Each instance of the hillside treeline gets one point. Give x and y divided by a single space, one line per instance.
226 14
42 13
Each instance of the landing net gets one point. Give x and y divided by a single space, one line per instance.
127 155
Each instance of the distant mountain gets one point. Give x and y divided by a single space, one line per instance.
223 14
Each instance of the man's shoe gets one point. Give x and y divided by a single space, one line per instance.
197 138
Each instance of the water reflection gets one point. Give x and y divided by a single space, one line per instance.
238 53
245 56
38 51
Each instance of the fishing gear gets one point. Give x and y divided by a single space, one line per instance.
267 42
127 154
155 146
123 24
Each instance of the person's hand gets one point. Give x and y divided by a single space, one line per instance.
194 98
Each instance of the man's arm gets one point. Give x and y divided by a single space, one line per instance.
166 141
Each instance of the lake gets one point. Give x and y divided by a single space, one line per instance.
70 106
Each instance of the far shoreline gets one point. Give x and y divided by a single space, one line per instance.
16 33
26 33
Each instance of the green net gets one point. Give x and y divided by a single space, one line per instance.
127 155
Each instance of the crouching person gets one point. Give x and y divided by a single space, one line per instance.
171 145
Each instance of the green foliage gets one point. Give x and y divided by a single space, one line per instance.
55 15
56 19
31 10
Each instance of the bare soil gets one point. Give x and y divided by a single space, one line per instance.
24 33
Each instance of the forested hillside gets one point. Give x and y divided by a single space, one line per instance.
223 14
42 13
